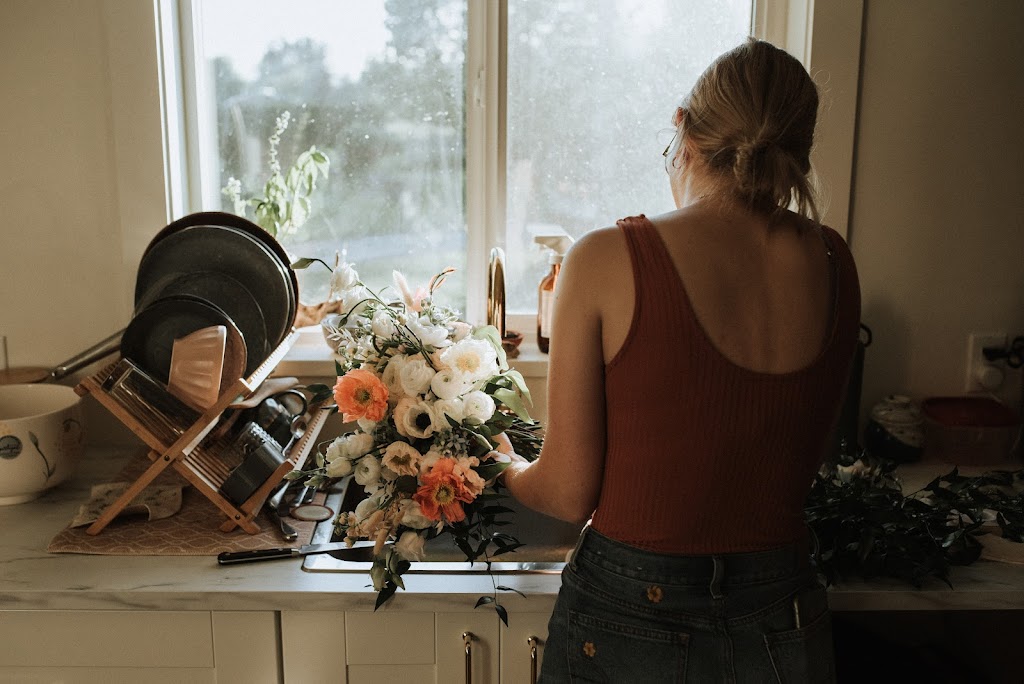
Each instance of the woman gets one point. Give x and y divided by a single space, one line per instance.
698 361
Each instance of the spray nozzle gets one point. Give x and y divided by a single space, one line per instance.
558 244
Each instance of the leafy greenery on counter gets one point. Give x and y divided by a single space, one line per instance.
866 526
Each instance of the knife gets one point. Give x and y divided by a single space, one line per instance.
339 550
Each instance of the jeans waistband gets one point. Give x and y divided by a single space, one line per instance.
713 570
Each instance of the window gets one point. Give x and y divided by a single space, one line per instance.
451 125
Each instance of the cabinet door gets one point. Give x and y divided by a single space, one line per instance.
522 647
111 647
478 664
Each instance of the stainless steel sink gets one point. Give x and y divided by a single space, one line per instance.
546 543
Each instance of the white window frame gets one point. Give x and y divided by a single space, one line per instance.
825 36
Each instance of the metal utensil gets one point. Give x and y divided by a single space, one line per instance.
275 504
339 550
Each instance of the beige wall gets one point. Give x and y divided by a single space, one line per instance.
937 222
60 258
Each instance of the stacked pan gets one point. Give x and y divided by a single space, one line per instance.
208 269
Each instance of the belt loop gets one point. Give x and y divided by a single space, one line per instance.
716 578
579 543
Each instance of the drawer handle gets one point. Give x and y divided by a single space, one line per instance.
467 641
532 642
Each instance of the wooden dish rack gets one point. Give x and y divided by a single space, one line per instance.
200 459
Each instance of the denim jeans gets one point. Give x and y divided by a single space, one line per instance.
624 615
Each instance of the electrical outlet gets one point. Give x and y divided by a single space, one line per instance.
981 374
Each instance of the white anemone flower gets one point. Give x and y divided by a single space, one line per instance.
414 418
392 377
426 332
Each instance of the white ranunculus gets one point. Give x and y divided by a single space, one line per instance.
339 467
411 515
383 324
471 359
410 546
368 471
350 446
366 425
426 332
453 408
343 278
447 384
479 406
392 376
415 376
414 418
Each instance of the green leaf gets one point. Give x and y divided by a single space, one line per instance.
504 588
483 601
517 378
490 471
502 613
490 333
512 400
384 594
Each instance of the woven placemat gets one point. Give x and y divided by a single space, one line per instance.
193 531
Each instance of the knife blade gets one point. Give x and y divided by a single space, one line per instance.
339 550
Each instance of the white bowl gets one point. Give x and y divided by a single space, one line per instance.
42 437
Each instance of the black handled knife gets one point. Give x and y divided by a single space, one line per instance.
339 550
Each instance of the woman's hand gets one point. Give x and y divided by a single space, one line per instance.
505 447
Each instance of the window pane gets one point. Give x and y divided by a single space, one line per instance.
379 87
592 85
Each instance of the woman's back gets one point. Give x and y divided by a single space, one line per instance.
726 353
762 295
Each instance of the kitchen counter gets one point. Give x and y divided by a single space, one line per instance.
32 579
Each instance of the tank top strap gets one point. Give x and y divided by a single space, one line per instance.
655 279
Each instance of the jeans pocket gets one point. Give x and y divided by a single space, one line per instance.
803 655
603 650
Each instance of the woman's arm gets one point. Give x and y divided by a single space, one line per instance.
566 480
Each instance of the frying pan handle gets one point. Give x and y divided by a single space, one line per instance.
83 359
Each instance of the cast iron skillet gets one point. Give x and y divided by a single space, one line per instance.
220 218
202 249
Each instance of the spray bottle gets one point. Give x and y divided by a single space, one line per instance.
559 245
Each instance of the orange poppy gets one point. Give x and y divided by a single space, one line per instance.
442 492
361 394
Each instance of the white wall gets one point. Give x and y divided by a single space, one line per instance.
937 222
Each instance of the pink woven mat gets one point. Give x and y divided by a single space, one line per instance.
192 531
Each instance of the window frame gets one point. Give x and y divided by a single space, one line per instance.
805 28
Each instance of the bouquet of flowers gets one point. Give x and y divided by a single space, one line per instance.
426 394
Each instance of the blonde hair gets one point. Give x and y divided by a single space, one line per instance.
751 119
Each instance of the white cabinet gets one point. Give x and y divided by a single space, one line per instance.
522 647
421 647
111 647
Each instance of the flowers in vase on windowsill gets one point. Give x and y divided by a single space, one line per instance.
428 394
286 200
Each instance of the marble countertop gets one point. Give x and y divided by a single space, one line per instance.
33 579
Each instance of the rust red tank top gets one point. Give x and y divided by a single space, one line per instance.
704 456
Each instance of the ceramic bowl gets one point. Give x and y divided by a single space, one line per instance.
41 439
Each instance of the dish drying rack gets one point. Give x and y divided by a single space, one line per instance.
190 448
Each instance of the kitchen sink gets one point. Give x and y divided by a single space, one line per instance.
546 543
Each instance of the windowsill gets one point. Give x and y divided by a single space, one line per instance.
310 357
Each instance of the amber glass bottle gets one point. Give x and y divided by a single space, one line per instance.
546 303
